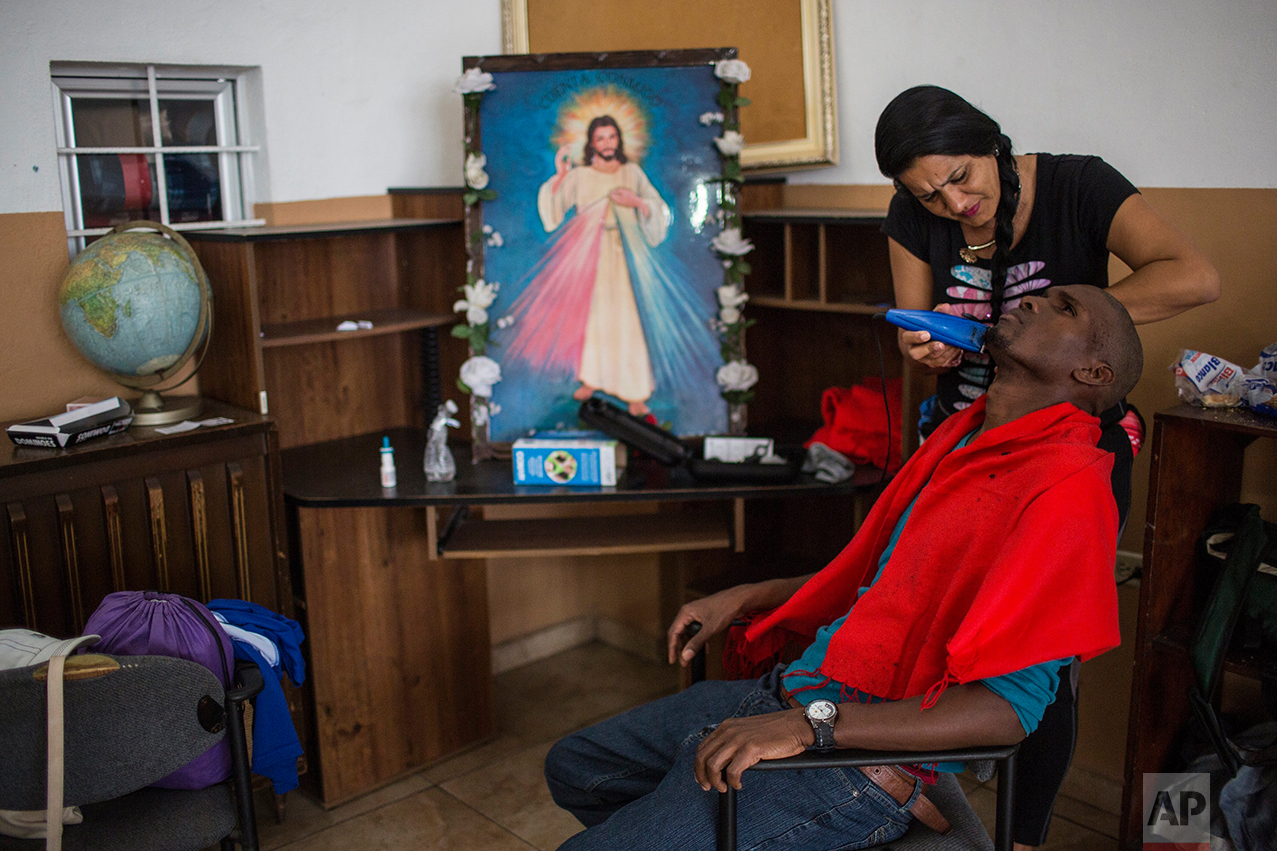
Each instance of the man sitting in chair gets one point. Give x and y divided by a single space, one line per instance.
985 566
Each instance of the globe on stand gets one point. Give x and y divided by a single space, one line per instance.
137 304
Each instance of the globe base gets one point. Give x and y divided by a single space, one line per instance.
152 409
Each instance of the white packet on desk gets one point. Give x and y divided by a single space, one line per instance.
1208 381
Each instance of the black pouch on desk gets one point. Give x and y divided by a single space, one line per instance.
755 472
672 452
633 432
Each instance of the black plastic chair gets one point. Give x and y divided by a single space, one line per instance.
919 837
129 721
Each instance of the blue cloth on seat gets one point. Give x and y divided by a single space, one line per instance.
275 743
285 632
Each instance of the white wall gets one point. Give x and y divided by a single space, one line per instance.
357 96
1172 92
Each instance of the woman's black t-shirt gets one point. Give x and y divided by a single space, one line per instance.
1065 242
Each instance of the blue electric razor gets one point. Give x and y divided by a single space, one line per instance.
952 330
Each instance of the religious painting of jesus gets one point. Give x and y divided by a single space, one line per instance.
607 185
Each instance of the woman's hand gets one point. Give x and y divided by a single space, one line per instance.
924 351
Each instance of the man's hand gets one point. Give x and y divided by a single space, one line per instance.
623 197
563 160
934 355
714 613
738 743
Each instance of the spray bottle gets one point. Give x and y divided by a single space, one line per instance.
440 467
388 476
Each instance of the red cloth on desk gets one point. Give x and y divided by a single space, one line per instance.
1005 562
856 422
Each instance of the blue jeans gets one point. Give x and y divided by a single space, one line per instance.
629 780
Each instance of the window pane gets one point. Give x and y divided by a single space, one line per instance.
188 122
111 122
194 187
117 188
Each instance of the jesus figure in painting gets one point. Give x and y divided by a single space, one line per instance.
603 307
609 192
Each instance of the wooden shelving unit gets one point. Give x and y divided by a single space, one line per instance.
279 294
819 260
359 576
1198 456
388 321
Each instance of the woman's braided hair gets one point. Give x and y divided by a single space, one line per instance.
927 120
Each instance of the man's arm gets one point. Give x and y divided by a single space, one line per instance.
964 716
715 612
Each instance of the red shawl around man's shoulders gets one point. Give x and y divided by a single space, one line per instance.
1005 562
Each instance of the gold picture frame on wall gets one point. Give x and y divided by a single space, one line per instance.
792 122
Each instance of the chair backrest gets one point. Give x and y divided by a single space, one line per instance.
130 720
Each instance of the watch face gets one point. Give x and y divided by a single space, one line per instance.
821 710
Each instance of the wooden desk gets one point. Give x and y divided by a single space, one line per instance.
1197 467
395 592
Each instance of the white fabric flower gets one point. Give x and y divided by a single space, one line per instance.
480 373
708 118
474 80
730 143
732 71
479 297
476 177
730 295
495 239
487 228
737 375
481 293
729 241
729 315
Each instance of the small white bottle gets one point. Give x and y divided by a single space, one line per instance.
388 477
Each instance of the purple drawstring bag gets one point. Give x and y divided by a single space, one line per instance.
150 623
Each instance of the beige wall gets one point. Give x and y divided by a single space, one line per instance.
40 371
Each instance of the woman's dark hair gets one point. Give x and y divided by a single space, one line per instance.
927 120
604 121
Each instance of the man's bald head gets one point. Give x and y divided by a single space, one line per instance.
1118 344
1073 343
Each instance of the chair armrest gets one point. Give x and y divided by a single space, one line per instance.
856 757
249 682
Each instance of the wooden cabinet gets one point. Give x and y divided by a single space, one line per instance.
1197 468
395 677
197 513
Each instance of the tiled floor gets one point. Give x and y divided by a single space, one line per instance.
494 798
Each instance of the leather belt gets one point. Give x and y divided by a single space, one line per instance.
897 783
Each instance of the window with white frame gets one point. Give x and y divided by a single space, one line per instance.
195 172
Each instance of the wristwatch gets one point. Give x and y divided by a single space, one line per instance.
821 714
